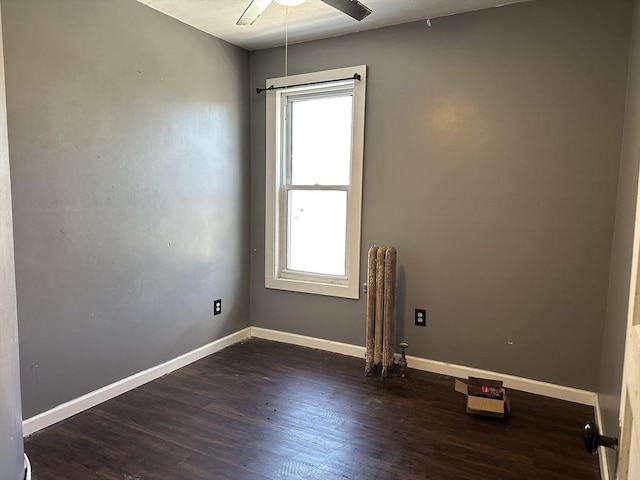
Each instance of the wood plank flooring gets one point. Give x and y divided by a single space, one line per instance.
267 410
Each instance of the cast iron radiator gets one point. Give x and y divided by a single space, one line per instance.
381 300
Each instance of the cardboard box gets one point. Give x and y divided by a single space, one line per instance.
478 405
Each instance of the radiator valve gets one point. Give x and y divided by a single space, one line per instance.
402 363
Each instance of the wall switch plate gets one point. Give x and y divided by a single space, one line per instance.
420 318
217 306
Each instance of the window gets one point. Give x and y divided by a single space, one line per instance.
315 136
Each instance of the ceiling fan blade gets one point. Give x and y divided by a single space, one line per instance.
353 8
253 11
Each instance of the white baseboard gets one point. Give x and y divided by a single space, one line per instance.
320 344
103 394
575 395
602 454
552 390
108 392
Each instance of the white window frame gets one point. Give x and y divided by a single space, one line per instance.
276 275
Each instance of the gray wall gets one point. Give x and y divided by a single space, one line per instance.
610 380
491 162
11 449
130 171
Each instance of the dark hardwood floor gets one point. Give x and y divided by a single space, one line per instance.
267 410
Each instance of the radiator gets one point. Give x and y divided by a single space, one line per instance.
381 300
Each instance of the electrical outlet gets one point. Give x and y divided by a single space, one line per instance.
217 306
421 318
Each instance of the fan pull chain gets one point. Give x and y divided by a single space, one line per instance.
286 45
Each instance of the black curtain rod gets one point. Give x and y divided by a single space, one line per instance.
356 76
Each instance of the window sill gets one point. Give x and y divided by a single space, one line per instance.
316 288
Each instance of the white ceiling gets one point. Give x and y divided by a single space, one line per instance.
310 21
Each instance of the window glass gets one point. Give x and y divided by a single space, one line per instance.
317 231
321 131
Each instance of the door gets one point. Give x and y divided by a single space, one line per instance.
629 448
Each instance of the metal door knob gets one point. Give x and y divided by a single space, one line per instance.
592 439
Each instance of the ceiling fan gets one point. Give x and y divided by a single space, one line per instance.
353 8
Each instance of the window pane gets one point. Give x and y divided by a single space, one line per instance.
321 140
317 231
